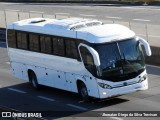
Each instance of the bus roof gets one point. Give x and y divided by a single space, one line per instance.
93 31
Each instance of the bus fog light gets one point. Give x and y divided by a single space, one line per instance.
104 93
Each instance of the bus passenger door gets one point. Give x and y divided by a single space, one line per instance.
87 57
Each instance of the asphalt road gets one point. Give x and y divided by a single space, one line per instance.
148 14
20 95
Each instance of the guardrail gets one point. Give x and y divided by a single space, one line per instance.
148 31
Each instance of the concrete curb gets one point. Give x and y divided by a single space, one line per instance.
155 58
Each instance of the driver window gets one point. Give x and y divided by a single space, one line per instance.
86 56
88 60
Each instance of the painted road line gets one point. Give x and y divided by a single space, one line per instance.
154 36
112 17
134 8
78 107
36 12
62 13
16 90
116 118
141 20
12 10
88 15
46 98
8 63
137 8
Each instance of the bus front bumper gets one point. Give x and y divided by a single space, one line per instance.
107 93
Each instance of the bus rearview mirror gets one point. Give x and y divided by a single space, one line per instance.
95 56
146 46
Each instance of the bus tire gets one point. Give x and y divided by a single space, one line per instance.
83 92
33 80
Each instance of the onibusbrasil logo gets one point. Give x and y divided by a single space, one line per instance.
20 114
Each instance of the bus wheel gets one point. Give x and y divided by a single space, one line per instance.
83 92
33 80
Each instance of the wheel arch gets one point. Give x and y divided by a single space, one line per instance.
29 71
79 82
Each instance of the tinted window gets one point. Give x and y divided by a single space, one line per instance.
61 50
22 40
86 56
88 60
71 49
121 60
34 42
55 46
46 45
11 36
58 46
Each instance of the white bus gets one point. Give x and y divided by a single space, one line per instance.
78 55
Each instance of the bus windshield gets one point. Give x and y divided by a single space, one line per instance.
120 60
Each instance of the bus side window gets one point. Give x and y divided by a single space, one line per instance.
11 36
34 42
61 50
22 42
58 46
54 46
74 51
45 44
71 50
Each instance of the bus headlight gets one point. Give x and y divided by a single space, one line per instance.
105 86
142 78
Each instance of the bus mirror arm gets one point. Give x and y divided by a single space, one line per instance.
146 46
79 59
99 71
